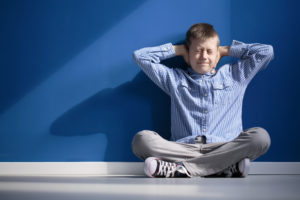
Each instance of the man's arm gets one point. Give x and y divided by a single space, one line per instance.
149 58
252 59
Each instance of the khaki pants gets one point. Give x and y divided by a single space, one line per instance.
203 159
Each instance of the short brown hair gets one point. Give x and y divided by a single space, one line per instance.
200 31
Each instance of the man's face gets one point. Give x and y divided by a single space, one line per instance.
204 55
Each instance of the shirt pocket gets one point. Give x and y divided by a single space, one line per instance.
221 91
187 93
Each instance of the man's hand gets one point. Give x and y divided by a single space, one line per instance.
223 51
181 50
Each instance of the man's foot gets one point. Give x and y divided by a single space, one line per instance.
155 167
240 169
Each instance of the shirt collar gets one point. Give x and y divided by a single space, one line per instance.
196 75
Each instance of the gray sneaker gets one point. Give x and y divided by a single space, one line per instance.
239 169
155 167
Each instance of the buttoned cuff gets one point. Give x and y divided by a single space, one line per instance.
167 50
237 49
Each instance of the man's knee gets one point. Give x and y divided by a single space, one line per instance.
142 137
260 139
141 141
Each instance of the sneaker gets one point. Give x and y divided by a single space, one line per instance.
155 167
240 169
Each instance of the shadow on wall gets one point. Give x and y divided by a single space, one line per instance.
120 113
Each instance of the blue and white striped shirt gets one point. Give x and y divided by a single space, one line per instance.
205 104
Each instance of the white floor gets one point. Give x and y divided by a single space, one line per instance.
140 187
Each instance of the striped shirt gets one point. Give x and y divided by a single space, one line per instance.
205 104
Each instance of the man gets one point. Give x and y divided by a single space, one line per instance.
207 138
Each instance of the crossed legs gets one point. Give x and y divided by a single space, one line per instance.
203 159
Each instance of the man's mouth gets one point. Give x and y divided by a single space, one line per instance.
203 63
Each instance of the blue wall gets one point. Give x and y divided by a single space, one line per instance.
272 99
70 90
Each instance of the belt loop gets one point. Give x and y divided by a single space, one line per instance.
200 139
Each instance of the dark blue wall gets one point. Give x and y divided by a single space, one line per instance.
272 99
70 90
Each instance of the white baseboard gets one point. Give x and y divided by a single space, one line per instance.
118 168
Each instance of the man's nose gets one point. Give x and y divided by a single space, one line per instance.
203 55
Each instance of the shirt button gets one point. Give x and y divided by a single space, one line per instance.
204 129
200 80
205 94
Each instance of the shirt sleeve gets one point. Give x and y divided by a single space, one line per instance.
149 58
252 59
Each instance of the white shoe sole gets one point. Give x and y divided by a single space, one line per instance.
150 166
244 167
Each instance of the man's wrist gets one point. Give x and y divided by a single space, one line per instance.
180 50
224 50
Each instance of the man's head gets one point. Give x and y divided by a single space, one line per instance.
202 42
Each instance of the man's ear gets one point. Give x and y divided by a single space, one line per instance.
218 55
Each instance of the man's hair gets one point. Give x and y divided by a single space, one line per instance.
200 31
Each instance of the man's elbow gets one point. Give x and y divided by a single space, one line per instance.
270 52
136 55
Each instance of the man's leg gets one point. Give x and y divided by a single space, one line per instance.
251 144
150 144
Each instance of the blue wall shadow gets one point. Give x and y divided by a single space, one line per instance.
120 113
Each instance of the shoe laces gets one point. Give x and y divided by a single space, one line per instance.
233 170
166 169
229 171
